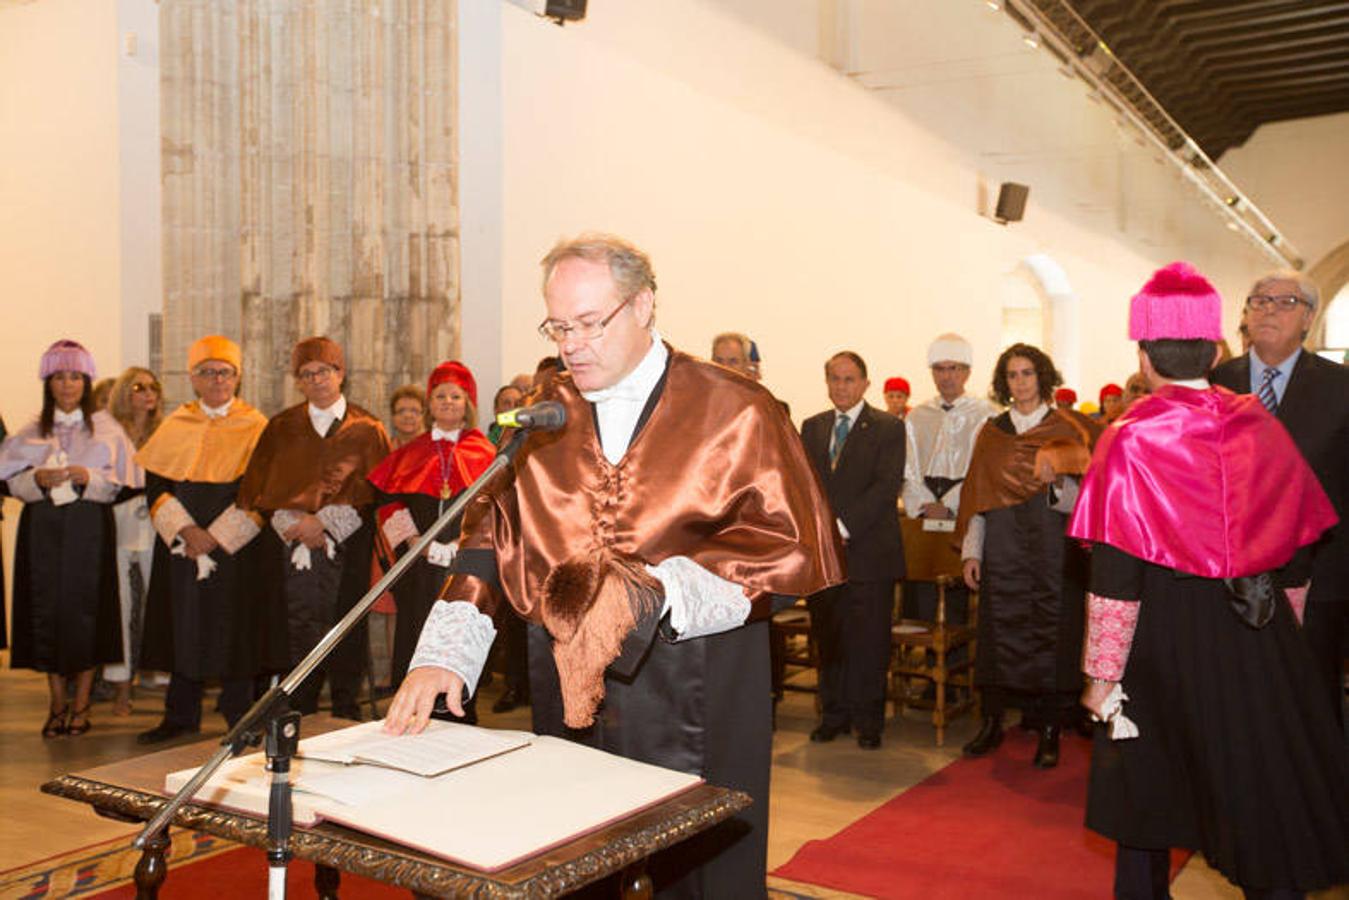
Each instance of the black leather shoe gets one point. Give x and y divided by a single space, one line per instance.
823 734
164 731
988 738
1047 751
869 741
510 699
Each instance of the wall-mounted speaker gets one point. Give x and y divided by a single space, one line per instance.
1011 202
565 10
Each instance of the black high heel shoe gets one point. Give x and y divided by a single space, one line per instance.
56 723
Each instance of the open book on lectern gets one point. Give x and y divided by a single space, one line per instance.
489 814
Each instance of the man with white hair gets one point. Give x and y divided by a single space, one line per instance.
1310 396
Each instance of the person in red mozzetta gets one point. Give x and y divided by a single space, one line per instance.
897 397
417 482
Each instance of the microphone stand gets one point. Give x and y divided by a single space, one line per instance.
271 714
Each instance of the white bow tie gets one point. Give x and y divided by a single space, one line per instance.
74 417
438 435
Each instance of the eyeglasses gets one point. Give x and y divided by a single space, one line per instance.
141 387
316 374
580 331
1281 303
221 374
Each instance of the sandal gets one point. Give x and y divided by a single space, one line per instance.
76 730
56 723
121 700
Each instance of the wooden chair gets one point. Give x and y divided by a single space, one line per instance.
919 648
791 645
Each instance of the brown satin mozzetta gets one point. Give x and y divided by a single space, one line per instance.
717 474
293 468
1003 466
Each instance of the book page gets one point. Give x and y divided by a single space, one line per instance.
442 747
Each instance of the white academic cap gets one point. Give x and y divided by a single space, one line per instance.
950 348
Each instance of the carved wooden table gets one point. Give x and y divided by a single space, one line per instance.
130 791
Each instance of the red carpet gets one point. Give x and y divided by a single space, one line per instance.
242 872
991 827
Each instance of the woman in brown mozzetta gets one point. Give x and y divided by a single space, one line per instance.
1021 486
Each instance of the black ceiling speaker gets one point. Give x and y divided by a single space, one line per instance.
565 10
1011 202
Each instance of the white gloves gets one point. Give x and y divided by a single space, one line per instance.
205 565
1121 726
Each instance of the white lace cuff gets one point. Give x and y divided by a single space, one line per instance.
339 520
399 527
233 529
24 487
283 520
170 517
699 602
101 488
457 637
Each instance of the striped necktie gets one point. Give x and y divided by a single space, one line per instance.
1266 391
840 435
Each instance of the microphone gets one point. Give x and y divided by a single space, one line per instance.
546 416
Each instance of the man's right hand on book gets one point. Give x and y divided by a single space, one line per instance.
412 705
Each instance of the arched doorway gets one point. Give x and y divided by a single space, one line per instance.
1330 330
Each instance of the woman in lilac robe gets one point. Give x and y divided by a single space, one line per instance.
67 467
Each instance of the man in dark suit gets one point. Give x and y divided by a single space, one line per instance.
1310 396
858 452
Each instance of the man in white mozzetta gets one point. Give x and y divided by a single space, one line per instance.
646 544
941 433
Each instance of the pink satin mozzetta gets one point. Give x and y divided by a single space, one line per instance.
1202 481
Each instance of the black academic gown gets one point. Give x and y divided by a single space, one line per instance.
1236 756
1031 593
66 616
201 629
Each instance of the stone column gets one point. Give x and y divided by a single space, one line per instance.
310 186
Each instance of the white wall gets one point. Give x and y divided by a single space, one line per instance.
60 250
79 187
779 198
1296 172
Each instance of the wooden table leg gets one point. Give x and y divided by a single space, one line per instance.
635 883
153 867
326 881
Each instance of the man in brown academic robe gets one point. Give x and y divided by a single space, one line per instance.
307 476
646 543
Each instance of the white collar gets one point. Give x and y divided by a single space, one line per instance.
323 419
452 435
217 412
637 385
1198 384
68 419
1025 421
852 413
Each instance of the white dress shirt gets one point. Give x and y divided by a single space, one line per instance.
322 419
619 406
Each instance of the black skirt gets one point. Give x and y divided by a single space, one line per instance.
66 615
1238 756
